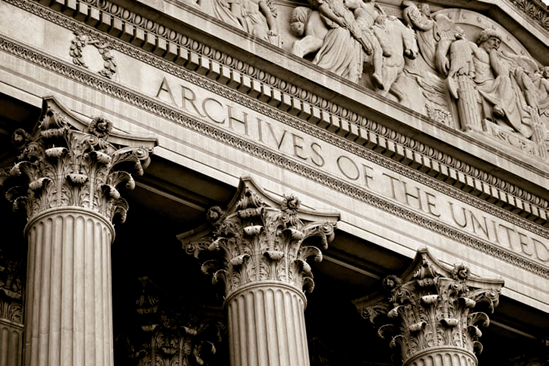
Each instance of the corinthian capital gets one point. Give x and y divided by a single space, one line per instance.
257 239
433 307
70 163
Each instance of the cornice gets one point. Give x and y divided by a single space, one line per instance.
535 10
176 53
175 115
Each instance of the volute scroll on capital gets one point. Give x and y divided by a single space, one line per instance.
258 239
432 307
67 162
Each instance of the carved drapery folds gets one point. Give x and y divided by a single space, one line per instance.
253 241
60 166
433 311
462 77
172 331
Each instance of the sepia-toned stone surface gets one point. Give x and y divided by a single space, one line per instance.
431 314
423 124
261 250
67 182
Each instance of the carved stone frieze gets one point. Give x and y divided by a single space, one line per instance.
253 241
433 309
61 166
243 77
373 135
446 172
536 10
172 332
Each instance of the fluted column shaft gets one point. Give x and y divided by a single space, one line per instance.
260 251
10 343
68 313
267 326
443 356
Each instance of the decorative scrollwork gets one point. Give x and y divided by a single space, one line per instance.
61 166
433 306
253 241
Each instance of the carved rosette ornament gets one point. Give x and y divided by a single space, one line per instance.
434 313
259 248
67 177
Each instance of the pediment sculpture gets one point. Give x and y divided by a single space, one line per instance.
455 66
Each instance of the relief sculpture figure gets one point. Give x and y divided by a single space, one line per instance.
492 72
540 79
258 18
310 25
420 20
366 12
341 51
397 41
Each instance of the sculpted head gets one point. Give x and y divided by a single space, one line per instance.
298 19
545 72
489 39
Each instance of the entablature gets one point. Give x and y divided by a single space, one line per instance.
465 160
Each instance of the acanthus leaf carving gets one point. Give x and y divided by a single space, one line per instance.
62 166
432 305
257 239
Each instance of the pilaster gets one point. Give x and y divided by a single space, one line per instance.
433 313
66 178
258 247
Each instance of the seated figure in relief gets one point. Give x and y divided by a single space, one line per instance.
493 73
336 29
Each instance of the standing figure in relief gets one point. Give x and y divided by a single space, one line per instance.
398 41
256 17
420 20
341 51
221 9
499 91
366 14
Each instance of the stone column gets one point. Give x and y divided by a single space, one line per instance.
258 251
67 181
431 315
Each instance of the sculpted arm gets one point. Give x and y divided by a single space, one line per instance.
271 22
325 10
495 63
417 19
